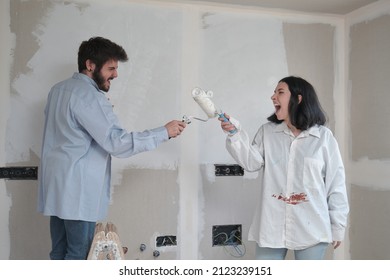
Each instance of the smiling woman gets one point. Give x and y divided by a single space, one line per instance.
296 103
303 208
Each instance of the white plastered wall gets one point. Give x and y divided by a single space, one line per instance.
194 45
6 44
368 61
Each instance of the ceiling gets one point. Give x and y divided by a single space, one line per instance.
340 7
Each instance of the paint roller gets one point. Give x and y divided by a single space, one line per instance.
203 98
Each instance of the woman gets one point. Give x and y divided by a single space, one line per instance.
303 203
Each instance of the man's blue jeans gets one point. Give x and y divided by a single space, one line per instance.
70 239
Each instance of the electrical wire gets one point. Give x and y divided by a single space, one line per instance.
238 250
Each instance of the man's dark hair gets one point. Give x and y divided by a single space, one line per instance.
99 50
306 113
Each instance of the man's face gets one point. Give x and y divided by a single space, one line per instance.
107 73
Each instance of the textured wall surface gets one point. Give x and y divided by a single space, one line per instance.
370 219
369 62
238 54
370 83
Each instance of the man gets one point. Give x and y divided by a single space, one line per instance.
81 134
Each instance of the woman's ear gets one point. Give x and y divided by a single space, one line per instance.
299 98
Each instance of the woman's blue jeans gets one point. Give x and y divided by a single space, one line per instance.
316 252
71 239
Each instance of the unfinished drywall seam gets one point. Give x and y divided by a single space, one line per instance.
5 46
340 97
378 170
189 177
364 171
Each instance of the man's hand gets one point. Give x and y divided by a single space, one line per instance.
175 128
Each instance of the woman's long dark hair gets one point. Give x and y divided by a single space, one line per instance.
306 113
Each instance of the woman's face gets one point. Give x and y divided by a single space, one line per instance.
281 99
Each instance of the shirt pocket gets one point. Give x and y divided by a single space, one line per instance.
313 177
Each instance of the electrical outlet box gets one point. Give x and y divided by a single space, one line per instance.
227 235
228 170
166 240
19 173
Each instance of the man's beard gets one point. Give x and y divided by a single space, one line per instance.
100 81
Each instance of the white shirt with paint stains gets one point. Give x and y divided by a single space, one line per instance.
303 199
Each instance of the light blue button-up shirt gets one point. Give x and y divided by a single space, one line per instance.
81 133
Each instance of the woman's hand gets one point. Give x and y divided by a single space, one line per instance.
227 126
336 244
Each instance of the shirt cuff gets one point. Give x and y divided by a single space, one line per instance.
162 133
338 234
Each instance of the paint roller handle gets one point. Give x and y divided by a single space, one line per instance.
223 118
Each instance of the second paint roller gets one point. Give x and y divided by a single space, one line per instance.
203 98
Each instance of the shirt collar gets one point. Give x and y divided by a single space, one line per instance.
314 130
84 77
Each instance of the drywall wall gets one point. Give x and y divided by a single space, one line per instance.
146 208
369 229
369 87
145 95
146 84
369 79
5 200
310 53
242 57
239 54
